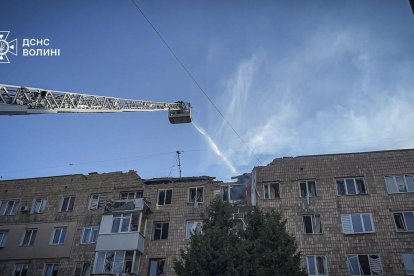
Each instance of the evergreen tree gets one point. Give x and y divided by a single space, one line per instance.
222 248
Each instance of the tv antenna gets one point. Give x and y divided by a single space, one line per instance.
179 161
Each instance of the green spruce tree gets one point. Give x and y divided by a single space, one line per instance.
262 248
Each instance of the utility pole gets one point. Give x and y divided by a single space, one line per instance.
179 161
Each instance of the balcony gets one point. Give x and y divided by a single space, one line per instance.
125 205
120 241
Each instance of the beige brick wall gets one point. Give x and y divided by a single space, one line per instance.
333 243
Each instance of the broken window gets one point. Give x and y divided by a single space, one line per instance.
312 224
9 207
67 204
271 190
351 186
317 265
131 194
357 223
156 267
307 189
93 202
365 265
38 206
164 197
399 184
111 262
161 230
196 194
193 227
404 221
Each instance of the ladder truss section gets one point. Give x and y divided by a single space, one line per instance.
15 100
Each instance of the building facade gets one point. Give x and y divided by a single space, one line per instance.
351 214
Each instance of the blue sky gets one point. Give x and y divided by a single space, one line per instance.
293 77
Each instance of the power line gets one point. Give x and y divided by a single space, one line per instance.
195 81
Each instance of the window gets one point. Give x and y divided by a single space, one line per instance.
357 223
193 227
312 224
29 237
364 265
131 195
113 262
161 230
93 202
156 267
9 207
351 186
399 184
58 236
307 189
38 206
164 197
20 269
408 260
82 269
67 204
404 221
89 234
51 269
196 194
120 223
317 265
271 190
3 237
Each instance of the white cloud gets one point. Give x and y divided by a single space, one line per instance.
334 93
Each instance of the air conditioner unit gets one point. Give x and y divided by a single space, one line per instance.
24 209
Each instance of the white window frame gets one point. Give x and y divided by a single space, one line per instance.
32 238
325 264
362 222
266 186
410 257
42 205
135 194
67 207
307 189
60 235
346 186
394 177
165 197
89 238
93 203
13 210
312 224
23 265
189 234
359 264
121 218
405 221
58 265
3 237
196 190
123 252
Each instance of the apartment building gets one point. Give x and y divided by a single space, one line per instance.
351 214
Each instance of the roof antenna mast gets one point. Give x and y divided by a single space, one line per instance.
179 161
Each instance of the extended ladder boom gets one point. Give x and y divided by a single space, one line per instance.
15 100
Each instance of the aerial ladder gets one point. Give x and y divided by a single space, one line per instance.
17 100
